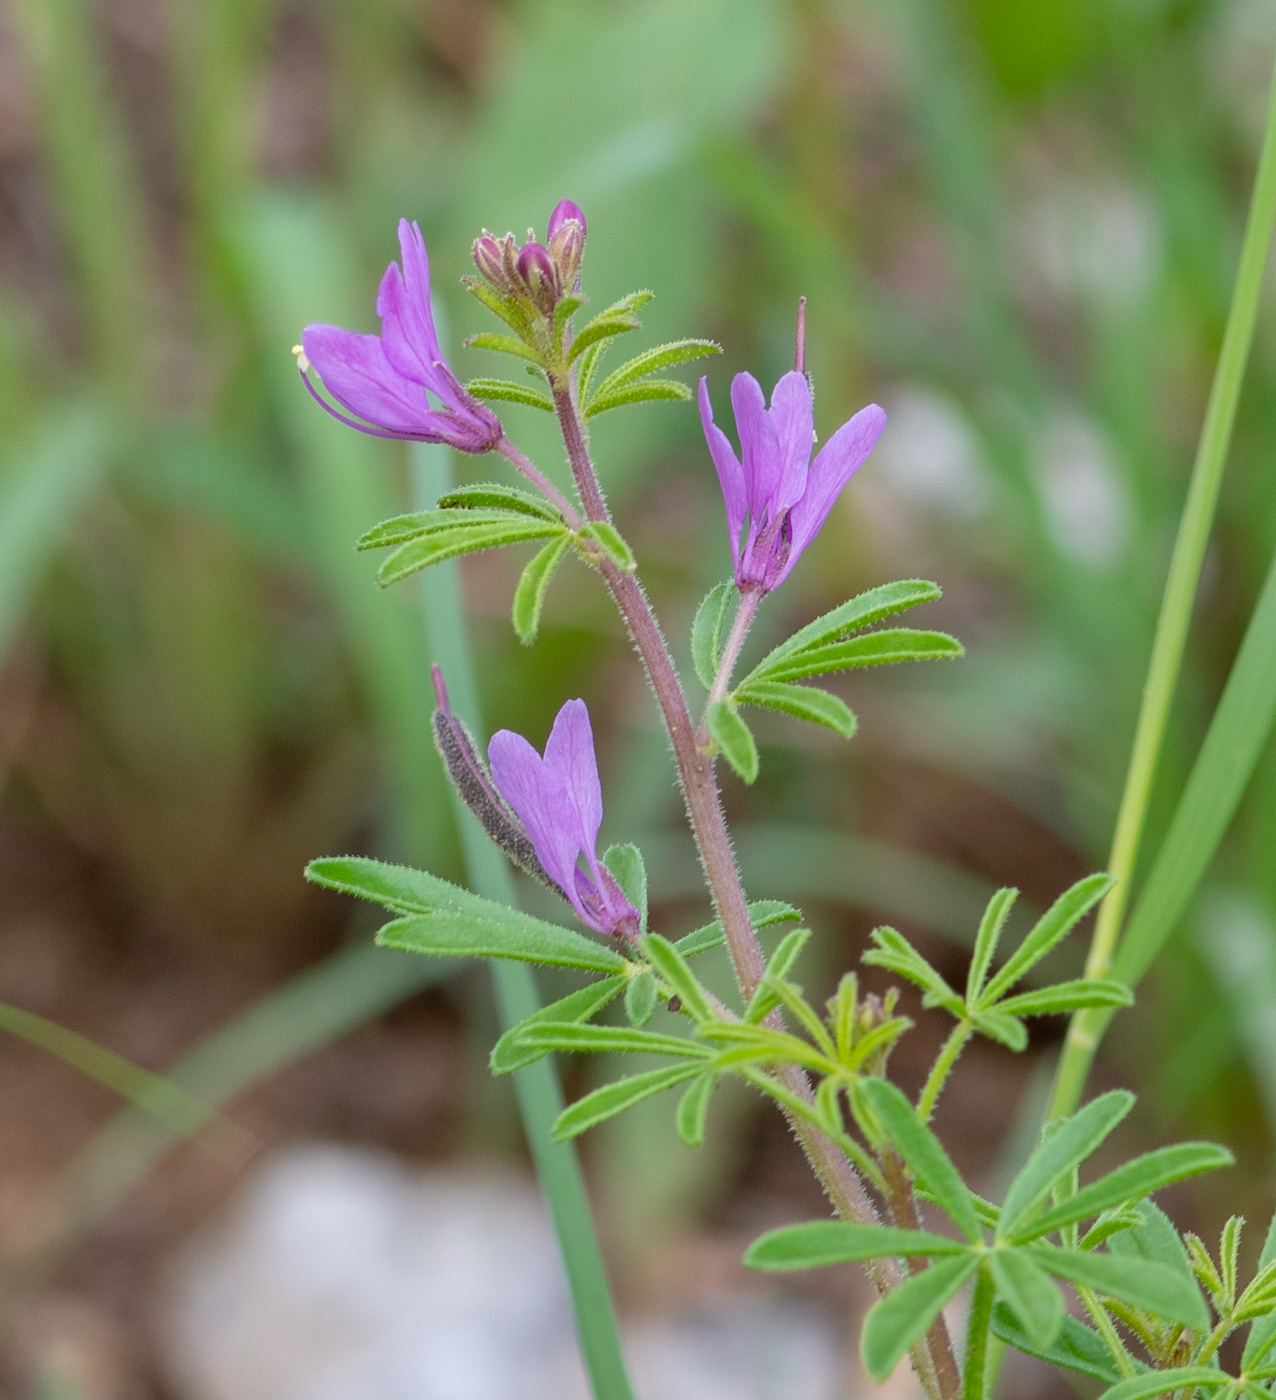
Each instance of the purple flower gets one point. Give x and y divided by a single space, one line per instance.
386 380
784 501
559 800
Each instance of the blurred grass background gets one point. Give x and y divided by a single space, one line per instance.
1016 223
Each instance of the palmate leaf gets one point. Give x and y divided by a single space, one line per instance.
921 1150
1143 1283
430 549
763 913
822 1242
509 391
453 935
707 629
614 1098
1068 1144
734 738
529 596
1076 1347
674 352
904 1316
509 1054
882 648
1130 1182
802 702
490 495
644 391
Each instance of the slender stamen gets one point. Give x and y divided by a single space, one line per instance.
799 353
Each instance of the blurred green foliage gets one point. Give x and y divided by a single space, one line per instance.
1016 225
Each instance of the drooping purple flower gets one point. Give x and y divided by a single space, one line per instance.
559 799
397 384
775 502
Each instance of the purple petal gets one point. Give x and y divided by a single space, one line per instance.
563 211
838 460
759 450
539 797
569 751
403 303
794 426
730 473
357 374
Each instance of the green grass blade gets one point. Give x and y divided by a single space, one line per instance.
1175 617
540 1095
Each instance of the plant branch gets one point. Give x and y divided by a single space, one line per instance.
1175 618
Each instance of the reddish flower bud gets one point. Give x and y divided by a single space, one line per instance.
489 258
567 241
539 274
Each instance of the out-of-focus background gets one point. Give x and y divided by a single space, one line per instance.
1016 222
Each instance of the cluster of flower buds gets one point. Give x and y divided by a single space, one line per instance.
536 273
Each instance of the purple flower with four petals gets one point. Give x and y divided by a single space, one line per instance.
783 500
559 799
391 382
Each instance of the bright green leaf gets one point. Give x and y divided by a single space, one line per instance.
430 522
644 391
574 1037
693 1108
895 953
659 357
612 543
1030 1295
802 702
903 1317
1076 1348
706 631
873 649
734 738
1067 996
451 935
494 496
669 963
507 391
615 1098
641 996
503 345
994 920
419 554
529 596
508 1054
1177 1378
763 913
822 1242
1054 925
1143 1283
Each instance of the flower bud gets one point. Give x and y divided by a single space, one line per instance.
567 241
539 274
489 258
565 211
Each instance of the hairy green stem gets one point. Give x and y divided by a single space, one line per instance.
1122 1359
1175 618
977 1337
942 1068
708 823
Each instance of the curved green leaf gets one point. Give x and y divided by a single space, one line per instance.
430 549
431 522
990 927
802 702
763 913
904 1316
614 1098
451 935
507 391
492 495
693 1108
1076 1348
1029 1294
1143 1283
706 631
503 345
821 1242
1067 996
1178 1378
612 543
1053 926
641 998
669 963
644 391
572 1037
509 1054
674 352
529 596
882 648
734 738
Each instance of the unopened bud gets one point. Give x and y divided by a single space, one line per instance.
489 258
539 275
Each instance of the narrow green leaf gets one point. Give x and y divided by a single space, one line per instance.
575 1037
1066 1146
641 997
674 352
852 616
507 391
602 327
1053 926
630 870
614 1098
1143 1283
504 307
895 953
1076 1348
564 309
706 631
883 648
410 891
452 935
529 596
1003 1029
734 738
821 1242
492 495
612 543
589 362
1131 1182
431 522
1030 1295
644 391
508 1054
763 913
693 1108
1262 1334
1067 996
802 702
1177 1378
990 926
419 554
503 345
904 1316
921 1149
1110 1223
763 1043
669 963
767 995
